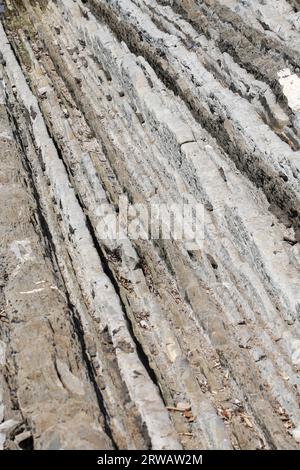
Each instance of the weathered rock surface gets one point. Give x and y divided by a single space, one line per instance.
149 343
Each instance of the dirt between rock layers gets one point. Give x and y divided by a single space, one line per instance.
149 343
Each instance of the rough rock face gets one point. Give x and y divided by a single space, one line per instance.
149 343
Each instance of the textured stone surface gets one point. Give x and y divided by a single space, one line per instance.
149 343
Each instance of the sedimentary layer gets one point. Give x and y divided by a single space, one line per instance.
144 342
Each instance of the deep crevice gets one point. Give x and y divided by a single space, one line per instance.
105 266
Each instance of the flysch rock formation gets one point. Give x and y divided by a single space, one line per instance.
154 343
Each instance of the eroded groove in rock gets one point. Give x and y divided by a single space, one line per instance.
161 102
